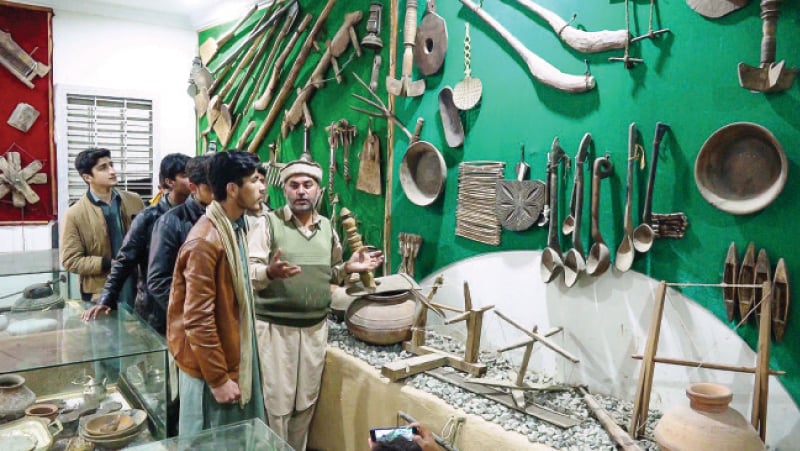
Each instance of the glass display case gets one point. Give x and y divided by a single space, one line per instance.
80 366
249 435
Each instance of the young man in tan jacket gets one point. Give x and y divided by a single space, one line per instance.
95 225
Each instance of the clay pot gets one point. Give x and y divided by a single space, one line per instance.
15 397
706 423
45 410
382 319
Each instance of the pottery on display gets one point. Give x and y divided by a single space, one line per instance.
707 423
382 319
15 397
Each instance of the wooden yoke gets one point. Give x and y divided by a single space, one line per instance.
474 319
335 48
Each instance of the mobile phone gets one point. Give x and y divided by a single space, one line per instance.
387 434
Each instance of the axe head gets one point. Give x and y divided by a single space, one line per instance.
213 109
201 102
774 77
222 126
394 86
414 88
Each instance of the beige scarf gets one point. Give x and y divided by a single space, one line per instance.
243 293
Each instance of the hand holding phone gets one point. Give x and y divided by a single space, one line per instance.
387 434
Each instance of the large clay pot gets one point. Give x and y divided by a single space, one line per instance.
706 423
382 319
15 397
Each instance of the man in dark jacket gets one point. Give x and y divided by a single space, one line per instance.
135 247
169 234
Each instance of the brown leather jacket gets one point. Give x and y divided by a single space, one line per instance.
203 314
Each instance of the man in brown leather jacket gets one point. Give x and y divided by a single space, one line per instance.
210 324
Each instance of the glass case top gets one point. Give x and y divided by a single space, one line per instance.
49 338
30 262
250 435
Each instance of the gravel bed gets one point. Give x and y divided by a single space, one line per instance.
588 435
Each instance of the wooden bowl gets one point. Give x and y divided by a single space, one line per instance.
44 410
741 168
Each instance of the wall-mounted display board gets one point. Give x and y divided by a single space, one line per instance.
688 79
27 149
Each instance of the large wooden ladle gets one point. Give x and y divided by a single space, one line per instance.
599 258
625 251
551 262
574 262
644 235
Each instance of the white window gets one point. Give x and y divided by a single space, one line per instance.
122 125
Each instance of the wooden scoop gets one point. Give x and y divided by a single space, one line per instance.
780 293
574 262
644 235
599 258
729 275
551 263
431 42
451 120
747 275
625 251
763 274
210 48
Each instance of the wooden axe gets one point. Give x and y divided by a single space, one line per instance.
262 102
406 86
769 76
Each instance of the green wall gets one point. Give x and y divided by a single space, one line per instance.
689 81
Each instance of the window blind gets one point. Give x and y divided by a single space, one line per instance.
122 125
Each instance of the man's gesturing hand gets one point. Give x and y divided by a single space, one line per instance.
280 269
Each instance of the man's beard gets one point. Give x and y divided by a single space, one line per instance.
303 207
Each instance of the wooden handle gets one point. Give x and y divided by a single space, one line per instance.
579 159
628 225
601 169
539 68
556 154
661 129
770 11
410 26
262 102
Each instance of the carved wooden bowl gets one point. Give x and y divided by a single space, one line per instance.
741 168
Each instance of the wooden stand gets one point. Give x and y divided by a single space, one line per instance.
433 357
761 370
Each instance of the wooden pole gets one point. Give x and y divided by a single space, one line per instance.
642 402
617 433
761 391
387 205
540 338
708 366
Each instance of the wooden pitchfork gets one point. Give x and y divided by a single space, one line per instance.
378 104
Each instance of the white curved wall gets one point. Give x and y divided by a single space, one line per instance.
605 320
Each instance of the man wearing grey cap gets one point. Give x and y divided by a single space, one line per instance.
295 256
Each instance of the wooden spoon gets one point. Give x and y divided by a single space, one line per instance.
599 258
551 263
625 251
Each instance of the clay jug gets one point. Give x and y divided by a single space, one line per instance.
382 319
706 423
15 397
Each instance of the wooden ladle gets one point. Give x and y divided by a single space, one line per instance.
599 258
644 235
551 263
625 251
574 262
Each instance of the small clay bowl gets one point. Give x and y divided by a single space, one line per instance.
43 410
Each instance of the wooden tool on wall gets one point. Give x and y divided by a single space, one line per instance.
19 62
406 86
210 48
335 48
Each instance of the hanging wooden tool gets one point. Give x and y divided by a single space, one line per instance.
211 47
538 67
373 41
263 100
729 276
574 259
626 251
477 194
451 119
580 40
644 235
747 275
769 76
715 9
335 48
305 50
780 297
19 62
468 91
626 59
551 264
758 417
763 274
598 259
519 201
431 42
406 86
369 169
651 34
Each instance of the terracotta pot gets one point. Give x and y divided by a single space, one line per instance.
706 423
15 397
45 410
382 319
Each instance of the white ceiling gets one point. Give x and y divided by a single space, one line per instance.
189 14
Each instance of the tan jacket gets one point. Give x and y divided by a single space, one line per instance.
85 240
203 314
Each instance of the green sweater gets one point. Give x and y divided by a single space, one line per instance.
304 299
